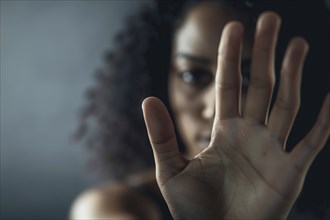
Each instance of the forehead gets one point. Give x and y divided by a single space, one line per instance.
201 29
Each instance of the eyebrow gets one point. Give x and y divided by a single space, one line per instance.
193 58
203 60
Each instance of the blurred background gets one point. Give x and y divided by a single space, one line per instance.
49 51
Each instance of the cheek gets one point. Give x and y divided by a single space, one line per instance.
183 98
187 127
186 110
188 132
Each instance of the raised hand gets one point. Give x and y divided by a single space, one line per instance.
245 172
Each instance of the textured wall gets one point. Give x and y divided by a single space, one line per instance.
49 50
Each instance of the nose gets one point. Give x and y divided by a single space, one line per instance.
208 110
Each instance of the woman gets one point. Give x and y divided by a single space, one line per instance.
233 164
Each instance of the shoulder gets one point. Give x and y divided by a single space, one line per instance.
113 200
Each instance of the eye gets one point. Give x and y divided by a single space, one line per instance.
197 77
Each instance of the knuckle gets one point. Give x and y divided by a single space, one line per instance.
324 125
226 86
298 168
309 145
263 50
164 140
286 105
259 83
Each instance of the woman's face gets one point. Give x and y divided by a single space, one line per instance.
194 64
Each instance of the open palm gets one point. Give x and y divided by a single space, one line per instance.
245 172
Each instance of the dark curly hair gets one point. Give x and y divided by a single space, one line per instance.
137 67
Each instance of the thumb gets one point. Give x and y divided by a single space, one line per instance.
168 159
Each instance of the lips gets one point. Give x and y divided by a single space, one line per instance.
203 139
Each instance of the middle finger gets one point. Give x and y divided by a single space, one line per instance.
262 78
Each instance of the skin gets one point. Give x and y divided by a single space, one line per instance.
244 173
194 65
235 166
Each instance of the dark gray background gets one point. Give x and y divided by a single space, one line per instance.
49 50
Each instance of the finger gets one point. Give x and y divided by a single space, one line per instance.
228 77
288 99
305 152
162 138
262 78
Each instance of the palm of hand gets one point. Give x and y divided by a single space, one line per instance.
245 173
244 169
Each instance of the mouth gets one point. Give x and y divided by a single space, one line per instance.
203 140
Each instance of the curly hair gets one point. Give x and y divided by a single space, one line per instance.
111 123
136 68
